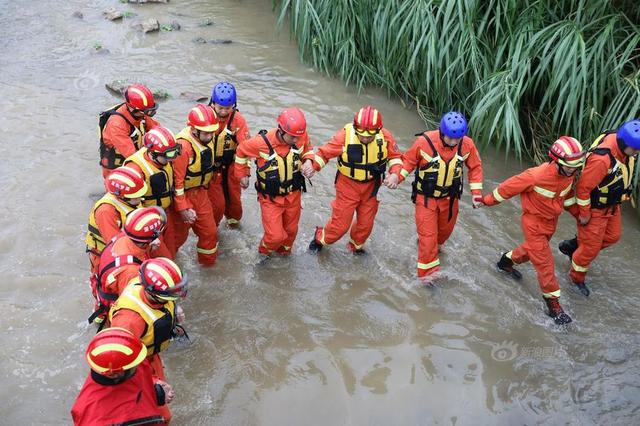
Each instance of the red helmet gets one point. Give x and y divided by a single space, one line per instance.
163 278
140 97
126 182
203 117
567 151
292 122
146 224
115 350
160 140
367 118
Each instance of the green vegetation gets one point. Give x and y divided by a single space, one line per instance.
523 71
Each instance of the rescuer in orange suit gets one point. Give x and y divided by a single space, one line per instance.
192 172
364 150
122 257
545 191
439 157
224 190
147 308
125 188
120 388
154 160
606 181
279 155
122 127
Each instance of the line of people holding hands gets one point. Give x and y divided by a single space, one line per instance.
160 185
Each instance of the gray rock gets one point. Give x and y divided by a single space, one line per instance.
201 40
112 14
206 22
173 26
194 97
78 14
148 25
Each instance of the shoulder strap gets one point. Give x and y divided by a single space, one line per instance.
430 142
263 133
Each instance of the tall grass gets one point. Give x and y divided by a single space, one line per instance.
523 71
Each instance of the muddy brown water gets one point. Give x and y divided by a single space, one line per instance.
319 340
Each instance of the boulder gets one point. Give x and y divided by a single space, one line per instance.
148 25
194 97
206 22
117 87
112 14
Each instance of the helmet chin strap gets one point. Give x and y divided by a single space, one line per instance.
621 145
561 170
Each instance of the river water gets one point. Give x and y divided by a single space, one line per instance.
321 340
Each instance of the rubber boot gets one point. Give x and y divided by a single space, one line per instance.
556 312
583 289
315 246
568 247
506 265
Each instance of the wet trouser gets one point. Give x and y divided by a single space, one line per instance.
351 197
535 248
280 217
224 193
158 371
434 228
204 227
602 231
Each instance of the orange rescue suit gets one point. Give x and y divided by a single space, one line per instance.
544 193
436 214
224 190
280 213
355 195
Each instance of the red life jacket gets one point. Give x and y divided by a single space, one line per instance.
131 402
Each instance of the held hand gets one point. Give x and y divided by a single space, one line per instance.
155 244
307 169
391 181
188 215
168 391
477 201
244 182
179 314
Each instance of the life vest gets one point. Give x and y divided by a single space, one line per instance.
225 144
617 185
279 175
438 178
159 180
160 322
107 274
201 167
95 241
363 162
109 157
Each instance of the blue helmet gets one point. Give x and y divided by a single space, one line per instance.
453 124
629 133
223 94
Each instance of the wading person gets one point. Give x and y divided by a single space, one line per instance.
224 190
193 170
545 191
605 181
279 155
438 158
123 126
120 388
364 150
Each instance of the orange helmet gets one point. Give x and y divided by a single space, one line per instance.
292 122
367 118
146 224
140 98
125 182
203 117
115 350
160 141
163 278
567 151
